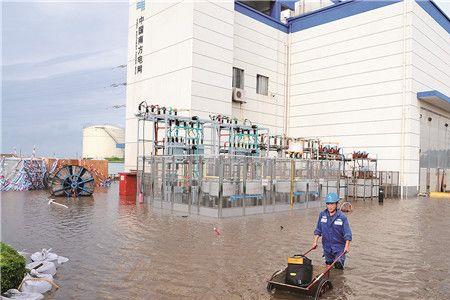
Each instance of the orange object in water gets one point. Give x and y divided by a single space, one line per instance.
127 184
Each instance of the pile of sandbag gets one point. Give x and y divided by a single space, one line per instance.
39 281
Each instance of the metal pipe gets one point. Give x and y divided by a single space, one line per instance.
291 192
429 156
287 83
403 122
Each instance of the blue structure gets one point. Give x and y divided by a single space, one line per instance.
340 10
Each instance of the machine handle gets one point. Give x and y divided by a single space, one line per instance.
312 248
326 270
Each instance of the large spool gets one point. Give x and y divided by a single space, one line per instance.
72 181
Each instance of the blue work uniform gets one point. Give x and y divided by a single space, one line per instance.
335 231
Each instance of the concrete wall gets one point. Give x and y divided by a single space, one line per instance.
260 49
347 82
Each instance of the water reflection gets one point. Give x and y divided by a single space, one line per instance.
121 250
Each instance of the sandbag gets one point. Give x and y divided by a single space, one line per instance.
18 295
62 259
33 286
46 255
42 267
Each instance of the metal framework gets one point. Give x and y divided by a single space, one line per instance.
239 168
363 176
230 137
230 185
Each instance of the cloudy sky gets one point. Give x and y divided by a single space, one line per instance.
59 60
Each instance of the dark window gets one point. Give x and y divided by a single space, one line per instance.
238 78
262 84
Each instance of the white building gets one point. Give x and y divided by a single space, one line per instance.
103 141
371 75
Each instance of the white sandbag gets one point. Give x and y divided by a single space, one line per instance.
62 259
44 255
18 295
42 267
36 286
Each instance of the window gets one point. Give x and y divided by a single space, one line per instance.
238 78
262 85
263 6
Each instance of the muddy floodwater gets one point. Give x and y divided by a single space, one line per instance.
117 250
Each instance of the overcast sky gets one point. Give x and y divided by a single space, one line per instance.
59 60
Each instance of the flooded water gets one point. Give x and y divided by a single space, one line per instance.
122 251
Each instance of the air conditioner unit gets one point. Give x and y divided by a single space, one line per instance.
238 95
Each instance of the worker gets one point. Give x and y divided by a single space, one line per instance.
335 231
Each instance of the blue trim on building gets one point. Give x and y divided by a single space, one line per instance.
335 12
436 94
259 16
436 13
120 145
275 10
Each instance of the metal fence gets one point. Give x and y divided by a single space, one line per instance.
237 185
240 185
390 183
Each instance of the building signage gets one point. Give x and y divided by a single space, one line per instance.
139 45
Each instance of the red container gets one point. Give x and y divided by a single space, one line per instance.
127 184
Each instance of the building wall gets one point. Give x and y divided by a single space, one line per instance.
353 80
167 63
260 49
212 58
430 58
347 83
190 49
430 71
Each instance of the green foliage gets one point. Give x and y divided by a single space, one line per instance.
114 159
12 267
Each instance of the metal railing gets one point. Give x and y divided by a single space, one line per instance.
238 185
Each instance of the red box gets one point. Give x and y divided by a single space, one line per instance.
127 184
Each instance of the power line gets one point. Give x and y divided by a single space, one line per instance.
120 66
118 84
77 90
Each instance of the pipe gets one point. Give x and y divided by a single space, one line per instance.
287 83
428 156
402 135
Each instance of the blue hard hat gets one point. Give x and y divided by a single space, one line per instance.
331 198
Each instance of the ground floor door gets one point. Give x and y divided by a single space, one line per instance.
434 151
